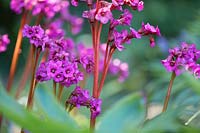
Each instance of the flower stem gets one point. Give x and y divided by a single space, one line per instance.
92 124
16 52
96 33
60 91
33 81
54 88
26 72
105 71
169 92
96 36
28 65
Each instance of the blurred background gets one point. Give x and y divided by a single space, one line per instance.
178 20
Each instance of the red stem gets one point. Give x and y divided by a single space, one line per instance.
16 52
60 91
169 92
54 88
105 71
92 124
33 81
26 72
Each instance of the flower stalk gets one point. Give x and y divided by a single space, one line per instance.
168 92
60 92
16 52
54 88
33 79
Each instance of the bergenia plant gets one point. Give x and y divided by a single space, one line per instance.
68 64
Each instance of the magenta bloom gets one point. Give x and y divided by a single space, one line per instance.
135 4
124 19
181 59
36 35
140 6
149 30
89 15
41 74
79 97
4 41
118 3
134 33
74 2
104 14
18 5
53 68
49 7
86 58
95 107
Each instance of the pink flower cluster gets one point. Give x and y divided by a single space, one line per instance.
104 14
183 58
46 7
4 41
36 35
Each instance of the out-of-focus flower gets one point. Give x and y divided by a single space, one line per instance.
75 22
18 5
120 69
49 7
55 30
4 41
86 58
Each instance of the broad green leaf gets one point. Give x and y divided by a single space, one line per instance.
125 116
35 123
51 108
165 122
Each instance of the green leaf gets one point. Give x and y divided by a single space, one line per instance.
50 121
12 110
162 123
51 108
125 116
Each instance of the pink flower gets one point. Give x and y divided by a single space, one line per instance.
140 6
104 15
117 2
134 33
89 15
135 4
149 29
4 41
